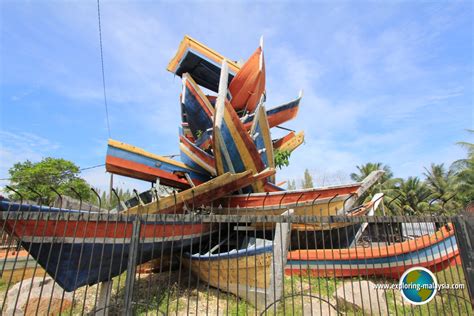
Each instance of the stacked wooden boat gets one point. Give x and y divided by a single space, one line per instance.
226 167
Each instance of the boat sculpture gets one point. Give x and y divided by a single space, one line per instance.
434 252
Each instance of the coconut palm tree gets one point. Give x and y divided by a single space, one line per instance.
441 182
385 183
413 197
464 173
366 169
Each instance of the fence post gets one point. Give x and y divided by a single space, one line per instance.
464 230
131 266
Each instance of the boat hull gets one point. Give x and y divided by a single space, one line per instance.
68 249
434 252
247 275
340 235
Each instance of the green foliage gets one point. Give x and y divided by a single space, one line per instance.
307 180
366 169
282 158
199 133
463 170
413 197
384 185
110 202
58 173
442 183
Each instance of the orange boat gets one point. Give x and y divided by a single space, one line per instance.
248 85
435 252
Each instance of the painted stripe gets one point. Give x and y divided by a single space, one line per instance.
430 253
99 229
240 253
116 146
104 240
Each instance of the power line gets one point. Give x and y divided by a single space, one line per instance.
103 72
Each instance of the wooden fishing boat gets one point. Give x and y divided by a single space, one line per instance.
196 158
196 107
277 115
234 149
435 252
333 235
248 85
289 142
80 248
201 62
201 194
245 264
134 162
324 201
260 133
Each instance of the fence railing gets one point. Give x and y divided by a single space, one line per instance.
59 261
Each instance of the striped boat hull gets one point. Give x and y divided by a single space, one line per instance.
69 250
434 252
130 161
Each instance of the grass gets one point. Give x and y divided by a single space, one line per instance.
154 295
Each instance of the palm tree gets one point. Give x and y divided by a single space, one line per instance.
441 182
464 173
413 197
365 170
386 182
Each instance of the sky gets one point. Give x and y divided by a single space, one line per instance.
388 82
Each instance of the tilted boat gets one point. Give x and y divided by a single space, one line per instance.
435 252
245 264
324 201
197 109
201 62
234 149
195 157
289 142
134 162
277 115
80 248
248 85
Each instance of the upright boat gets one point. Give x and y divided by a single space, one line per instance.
248 85
260 133
198 110
234 150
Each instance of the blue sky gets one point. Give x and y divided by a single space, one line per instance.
389 82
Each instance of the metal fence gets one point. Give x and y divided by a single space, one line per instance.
56 261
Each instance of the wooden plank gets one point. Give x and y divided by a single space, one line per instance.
260 132
204 193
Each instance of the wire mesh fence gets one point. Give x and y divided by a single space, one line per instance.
209 260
